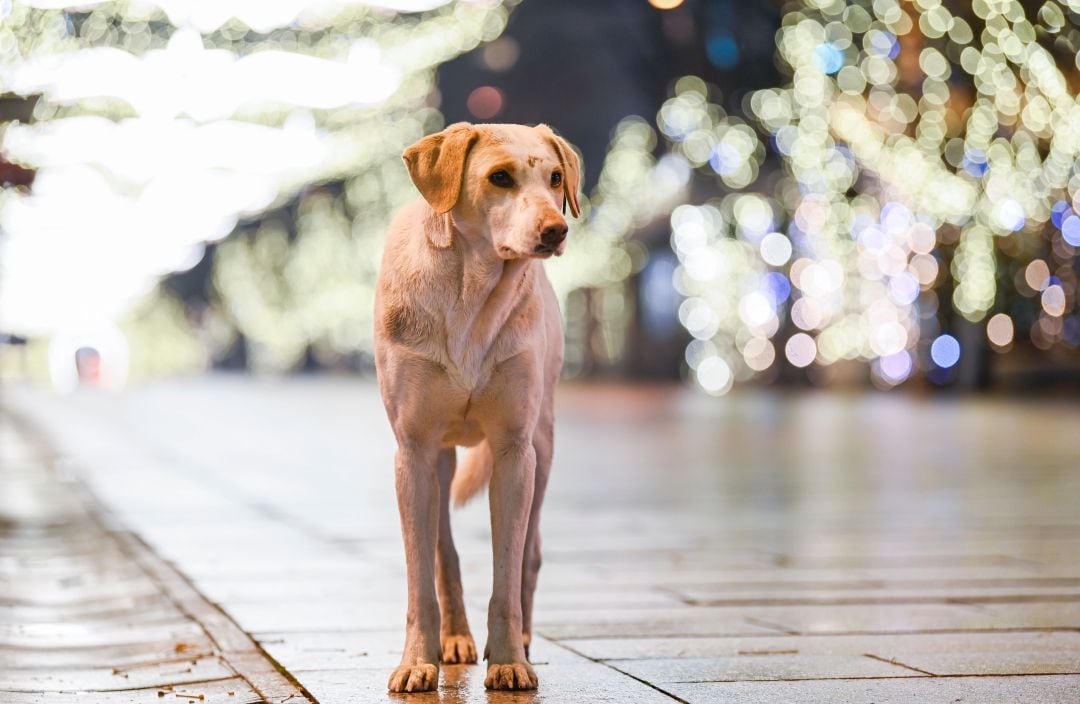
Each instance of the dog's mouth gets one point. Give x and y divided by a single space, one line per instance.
543 251
540 251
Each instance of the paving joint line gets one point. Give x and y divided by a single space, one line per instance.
762 623
236 647
898 664
112 690
621 672
788 633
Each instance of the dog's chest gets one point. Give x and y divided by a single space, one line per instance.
471 354
486 326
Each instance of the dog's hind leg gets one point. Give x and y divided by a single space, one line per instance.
457 642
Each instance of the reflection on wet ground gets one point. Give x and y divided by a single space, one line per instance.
759 547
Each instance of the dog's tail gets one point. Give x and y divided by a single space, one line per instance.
472 474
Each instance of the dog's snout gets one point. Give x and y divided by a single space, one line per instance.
553 234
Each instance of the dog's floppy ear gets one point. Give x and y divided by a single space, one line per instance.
436 163
571 164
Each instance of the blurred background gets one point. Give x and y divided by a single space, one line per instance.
857 194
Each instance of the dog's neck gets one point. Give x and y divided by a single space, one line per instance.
490 288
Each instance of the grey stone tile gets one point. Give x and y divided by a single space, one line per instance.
878 618
335 650
760 501
1018 662
230 691
564 683
694 578
778 666
137 676
647 622
297 586
1043 689
79 636
867 592
101 656
888 646
1035 615
150 609
555 599
319 615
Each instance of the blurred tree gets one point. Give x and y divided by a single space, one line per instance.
927 179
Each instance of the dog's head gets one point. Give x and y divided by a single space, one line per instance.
506 184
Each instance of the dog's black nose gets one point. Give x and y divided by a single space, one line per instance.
553 235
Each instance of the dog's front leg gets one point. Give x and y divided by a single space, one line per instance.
418 502
457 642
512 482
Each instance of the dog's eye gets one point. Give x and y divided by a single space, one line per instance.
556 179
501 179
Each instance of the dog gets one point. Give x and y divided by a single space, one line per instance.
468 347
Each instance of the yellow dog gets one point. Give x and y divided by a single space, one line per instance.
468 347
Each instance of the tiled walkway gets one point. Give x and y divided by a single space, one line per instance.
755 548
89 614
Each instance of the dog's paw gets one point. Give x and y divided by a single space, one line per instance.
458 649
421 677
518 675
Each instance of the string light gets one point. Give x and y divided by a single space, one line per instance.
915 149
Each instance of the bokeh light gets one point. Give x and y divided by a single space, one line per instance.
800 349
485 102
665 4
926 156
1000 330
945 351
913 175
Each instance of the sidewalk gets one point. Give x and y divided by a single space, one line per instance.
88 613
756 548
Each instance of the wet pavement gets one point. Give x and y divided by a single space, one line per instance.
88 613
758 547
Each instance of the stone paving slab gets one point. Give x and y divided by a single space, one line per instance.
156 609
779 666
140 675
1044 689
338 650
885 646
86 613
111 656
866 592
912 618
1015 662
227 691
758 538
563 683
708 576
654 622
75 635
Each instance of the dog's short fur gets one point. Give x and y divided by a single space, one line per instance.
468 347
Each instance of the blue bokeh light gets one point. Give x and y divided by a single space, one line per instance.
1070 230
725 159
945 351
778 286
1060 212
882 44
828 57
975 162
